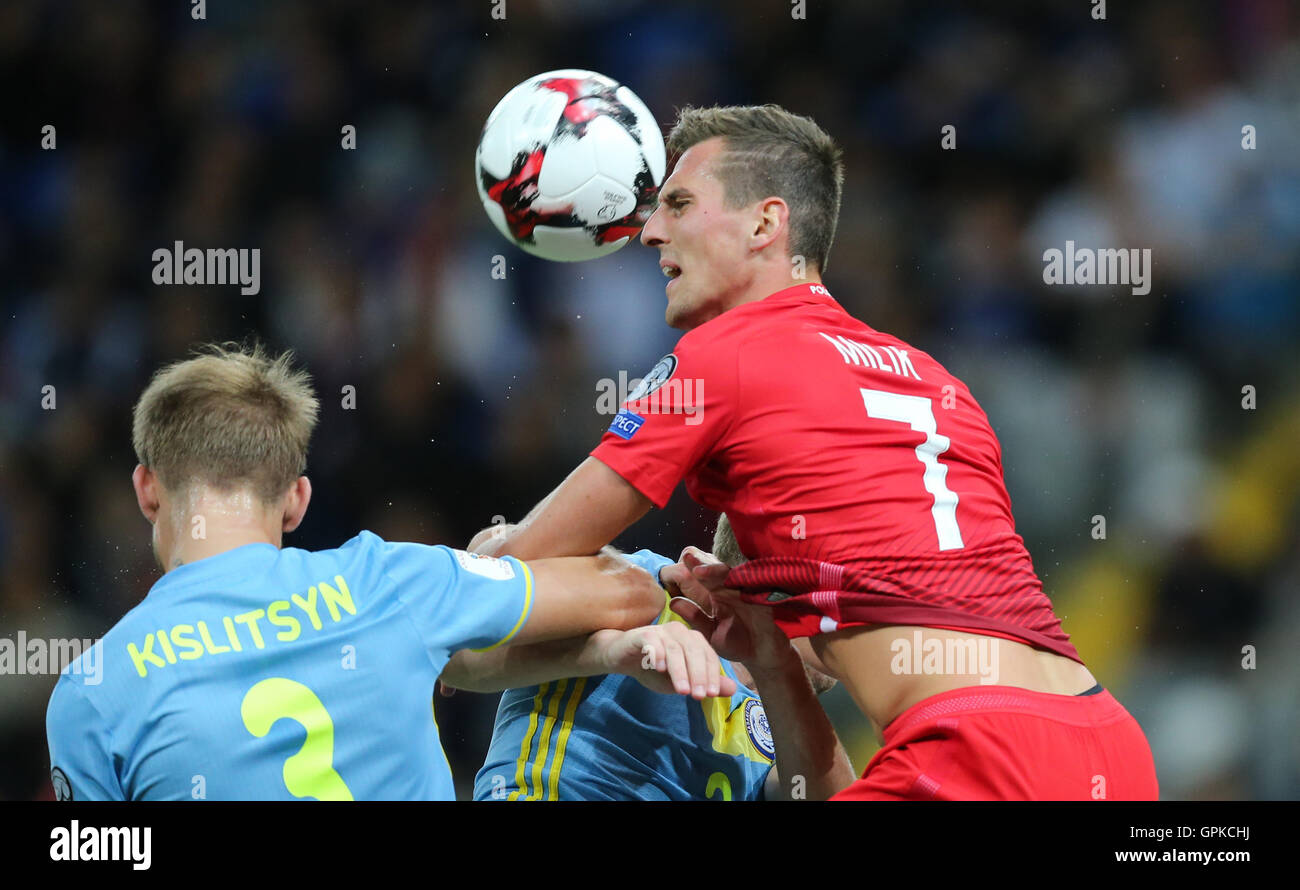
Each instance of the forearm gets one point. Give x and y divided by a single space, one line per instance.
805 741
528 664
583 514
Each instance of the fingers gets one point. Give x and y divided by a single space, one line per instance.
711 574
698 655
677 669
703 667
685 659
694 556
672 577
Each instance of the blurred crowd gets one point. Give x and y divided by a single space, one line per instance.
1174 416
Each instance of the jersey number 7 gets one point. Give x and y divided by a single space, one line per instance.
918 413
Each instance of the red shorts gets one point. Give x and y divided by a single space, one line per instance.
1007 743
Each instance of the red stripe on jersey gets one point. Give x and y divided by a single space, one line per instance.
861 598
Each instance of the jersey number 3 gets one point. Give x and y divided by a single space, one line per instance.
918 413
310 772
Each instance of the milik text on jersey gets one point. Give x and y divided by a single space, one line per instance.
884 358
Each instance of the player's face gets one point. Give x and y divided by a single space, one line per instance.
703 245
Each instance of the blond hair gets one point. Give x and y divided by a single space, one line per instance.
231 417
770 152
725 546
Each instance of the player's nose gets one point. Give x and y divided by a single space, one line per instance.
652 234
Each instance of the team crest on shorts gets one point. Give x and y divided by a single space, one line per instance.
760 733
657 377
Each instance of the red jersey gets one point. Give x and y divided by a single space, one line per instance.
861 478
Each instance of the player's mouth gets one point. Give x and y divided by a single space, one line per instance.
671 271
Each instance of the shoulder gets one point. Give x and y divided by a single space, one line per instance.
726 331
368 548
711 350
74 695
102 659
362 542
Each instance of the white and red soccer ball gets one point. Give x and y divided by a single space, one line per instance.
569 165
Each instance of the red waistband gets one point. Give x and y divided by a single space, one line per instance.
1076 710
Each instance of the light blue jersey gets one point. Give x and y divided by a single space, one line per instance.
610 738
262 673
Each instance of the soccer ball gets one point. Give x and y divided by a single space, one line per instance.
569 165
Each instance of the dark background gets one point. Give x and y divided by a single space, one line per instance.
475 396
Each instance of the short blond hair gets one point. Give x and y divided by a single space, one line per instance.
231 417
725 546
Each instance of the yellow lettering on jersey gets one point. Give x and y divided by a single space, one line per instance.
333 598
231 635
180 635
309 606
336 596
288 621
249 620
138 657
213 648
166 646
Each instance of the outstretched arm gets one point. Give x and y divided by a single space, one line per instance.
665 658
584 513
579 595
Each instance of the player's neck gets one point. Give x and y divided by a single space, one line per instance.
214 523
783 280
218 541
760 287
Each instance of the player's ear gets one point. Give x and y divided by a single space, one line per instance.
145 483
295 505
773 214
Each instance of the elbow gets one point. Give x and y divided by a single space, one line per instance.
492 541
466 670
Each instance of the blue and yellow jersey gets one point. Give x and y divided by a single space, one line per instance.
610 738
268 674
